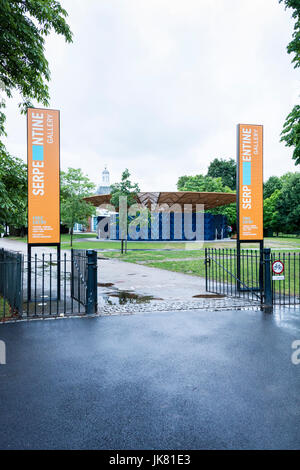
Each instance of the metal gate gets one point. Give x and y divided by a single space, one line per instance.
224 276
47 285
11 282
250 276
286 288
84 278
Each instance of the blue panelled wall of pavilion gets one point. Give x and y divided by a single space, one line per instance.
215 227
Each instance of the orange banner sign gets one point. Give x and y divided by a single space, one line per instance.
43 148
250 182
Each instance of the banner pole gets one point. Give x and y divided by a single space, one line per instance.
238 243
58 271
29 272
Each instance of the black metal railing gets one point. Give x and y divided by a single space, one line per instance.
224 276
49 292
251 277
79 275
84 278
11 276
286 286
48 285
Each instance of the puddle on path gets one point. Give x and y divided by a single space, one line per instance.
208 296
125 297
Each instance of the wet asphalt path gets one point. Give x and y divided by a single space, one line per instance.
176 380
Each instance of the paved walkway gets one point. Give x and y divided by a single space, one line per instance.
15 245
177 380
170 290
150 281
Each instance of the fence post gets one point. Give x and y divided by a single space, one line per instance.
268 298
238 265
28 273
91 295
72 273
205 262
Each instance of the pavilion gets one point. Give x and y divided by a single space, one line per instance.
167 215
209 200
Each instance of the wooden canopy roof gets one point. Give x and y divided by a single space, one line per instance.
210 200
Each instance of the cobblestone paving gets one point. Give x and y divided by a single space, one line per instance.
164 306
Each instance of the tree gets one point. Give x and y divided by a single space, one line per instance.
291 129
272 217
74 182
229 211
294 46
24 24
291 133
75 210
271 185
209 184
288 204
181 182
126 189
13 191
202 183
224 169
74 187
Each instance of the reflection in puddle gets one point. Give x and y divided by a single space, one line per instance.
125 297
209 296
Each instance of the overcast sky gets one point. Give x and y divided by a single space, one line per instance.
158 86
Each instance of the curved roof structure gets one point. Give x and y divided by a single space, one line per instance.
210 200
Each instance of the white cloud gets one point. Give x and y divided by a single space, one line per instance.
158 86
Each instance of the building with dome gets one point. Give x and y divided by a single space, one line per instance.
104 187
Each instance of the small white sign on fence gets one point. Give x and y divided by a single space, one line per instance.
278 278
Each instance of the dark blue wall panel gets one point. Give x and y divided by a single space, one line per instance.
215 226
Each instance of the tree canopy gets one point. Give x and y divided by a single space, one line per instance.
202 183
282 203
24 69
273 183
288 204
291 133
74 187
75 183
13 191
211 184
224 169
294 46
24 24
291 129
124 188
272 218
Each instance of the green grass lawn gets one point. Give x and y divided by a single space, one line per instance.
65 237
292 244
147 256
79 241
196 267
274 243
108 245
